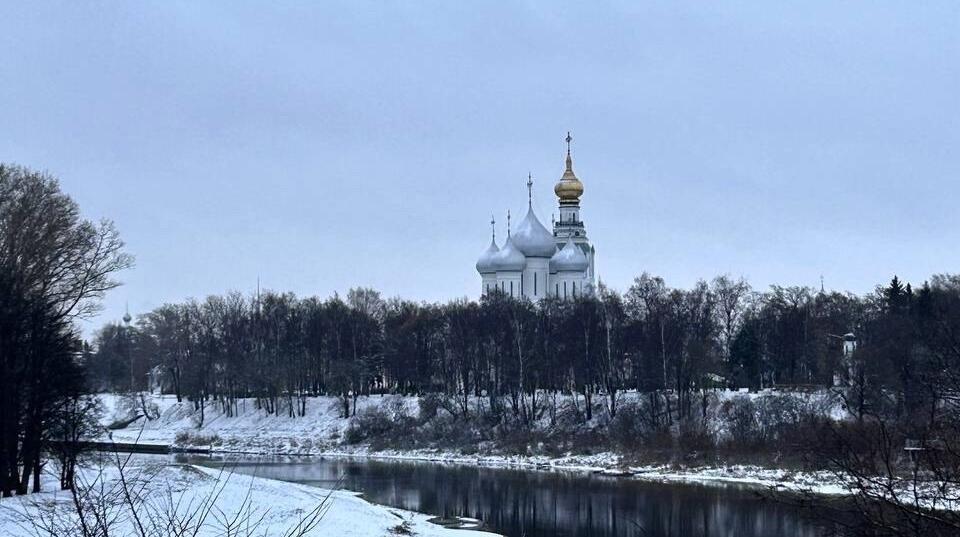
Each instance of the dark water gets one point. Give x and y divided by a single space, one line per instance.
531 503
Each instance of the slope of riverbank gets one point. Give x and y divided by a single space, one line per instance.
322 432
255 506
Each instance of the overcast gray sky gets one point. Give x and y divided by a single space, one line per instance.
322 146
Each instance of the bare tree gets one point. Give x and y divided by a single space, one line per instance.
54 268
732 298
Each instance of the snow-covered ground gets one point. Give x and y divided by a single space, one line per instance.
251 431
321 431
256 506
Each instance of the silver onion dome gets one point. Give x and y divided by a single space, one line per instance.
570 258
509 258
533 239
485 265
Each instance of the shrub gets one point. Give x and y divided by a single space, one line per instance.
694 438
429 406
369 423
777 414
383 427
627 429
187 438
740 418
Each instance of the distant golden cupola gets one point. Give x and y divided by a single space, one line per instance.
569 188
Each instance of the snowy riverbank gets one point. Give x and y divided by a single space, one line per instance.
321 431
256 506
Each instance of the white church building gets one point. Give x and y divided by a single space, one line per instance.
535 263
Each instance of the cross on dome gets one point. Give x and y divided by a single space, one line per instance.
569 188
529 189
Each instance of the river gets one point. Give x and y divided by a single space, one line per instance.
535 503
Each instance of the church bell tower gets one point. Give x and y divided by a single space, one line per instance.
570 227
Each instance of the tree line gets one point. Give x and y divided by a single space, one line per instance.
278 348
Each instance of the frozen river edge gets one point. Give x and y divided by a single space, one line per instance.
277 506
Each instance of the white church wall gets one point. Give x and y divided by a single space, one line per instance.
510 283
488 282
568 285
536 278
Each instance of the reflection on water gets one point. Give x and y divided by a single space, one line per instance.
538 503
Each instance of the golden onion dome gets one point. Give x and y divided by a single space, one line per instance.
569 188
